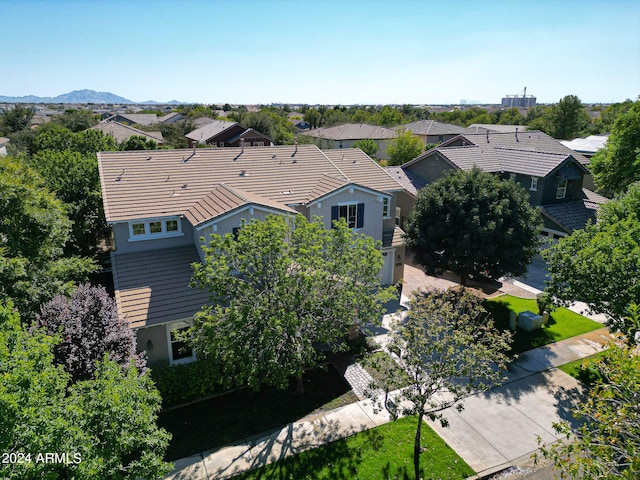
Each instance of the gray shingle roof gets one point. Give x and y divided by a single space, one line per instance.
152 287
160 183
431 127
574 215
409 180
121 132
485 127
140 118
353 131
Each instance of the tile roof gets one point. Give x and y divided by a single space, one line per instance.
121 132
224 199
393 238
353 131
575 214
487 127
409 180
210 130
140 118
150 184
170 116
152 287
431 127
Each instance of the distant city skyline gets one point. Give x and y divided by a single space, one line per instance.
323 52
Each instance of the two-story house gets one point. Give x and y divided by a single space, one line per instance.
552 174
345 136
219 133
162 205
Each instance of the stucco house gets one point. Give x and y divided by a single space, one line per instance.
219 133
345 136
552 174
162 206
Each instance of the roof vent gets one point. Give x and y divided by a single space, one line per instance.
286 192
517 135
185 185
148 158
243 173
119 177
168 177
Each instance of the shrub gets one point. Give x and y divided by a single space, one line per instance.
545 303
187 382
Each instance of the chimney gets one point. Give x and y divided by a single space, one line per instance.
295 143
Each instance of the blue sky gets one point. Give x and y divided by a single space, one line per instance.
306 51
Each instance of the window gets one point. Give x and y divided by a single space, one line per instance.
534 184
561 191
180 352
221 144
138 229
353 213
512 177
154 229
398 216
258 144
385 208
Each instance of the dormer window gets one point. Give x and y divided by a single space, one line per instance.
561 191
156 228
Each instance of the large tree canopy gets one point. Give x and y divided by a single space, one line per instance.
34 229
106 425
404 147
281 289
449 348
600 265
618 164
473 223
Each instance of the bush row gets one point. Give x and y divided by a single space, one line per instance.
186 382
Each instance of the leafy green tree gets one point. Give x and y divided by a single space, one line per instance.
312 117
568 118
90 328
35 230
76 120
473 223
368 146
600 265
388 117
17 119
618 164
75 180
511 116
449 348
106 425
404 147
138 142
607 444
281 289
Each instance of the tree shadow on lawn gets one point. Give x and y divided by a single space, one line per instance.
235 416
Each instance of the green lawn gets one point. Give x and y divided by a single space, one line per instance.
231 417
586 375
385 452
563 323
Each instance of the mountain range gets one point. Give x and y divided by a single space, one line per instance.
79 96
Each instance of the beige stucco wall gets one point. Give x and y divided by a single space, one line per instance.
159 354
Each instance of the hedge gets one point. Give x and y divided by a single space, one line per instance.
186 382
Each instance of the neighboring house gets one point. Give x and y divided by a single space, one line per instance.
344 136
134 118
121 132
3 146
172 117
162 205
219 133
552 174
430 131
587 146
297 120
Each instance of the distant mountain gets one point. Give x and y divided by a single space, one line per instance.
77 96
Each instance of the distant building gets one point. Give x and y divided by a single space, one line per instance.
523 101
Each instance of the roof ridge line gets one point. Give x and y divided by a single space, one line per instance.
335 166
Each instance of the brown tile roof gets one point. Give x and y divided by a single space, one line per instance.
121 132
575 214
210 130
393 238
149 184
353 131
152 287
224 199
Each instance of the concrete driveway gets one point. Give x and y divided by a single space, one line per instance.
536 273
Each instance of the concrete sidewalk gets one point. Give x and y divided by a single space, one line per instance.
494 430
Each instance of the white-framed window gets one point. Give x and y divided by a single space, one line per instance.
398 216
386 207
179 351
154 228
258 144
534 184
561 191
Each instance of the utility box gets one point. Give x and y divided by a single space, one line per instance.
512 320
529 321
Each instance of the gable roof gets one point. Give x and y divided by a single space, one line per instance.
121 132
431 127
494 128
139 118
210 130
248 132
409 180
171 117
353 131
575 214
161 183
224 199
